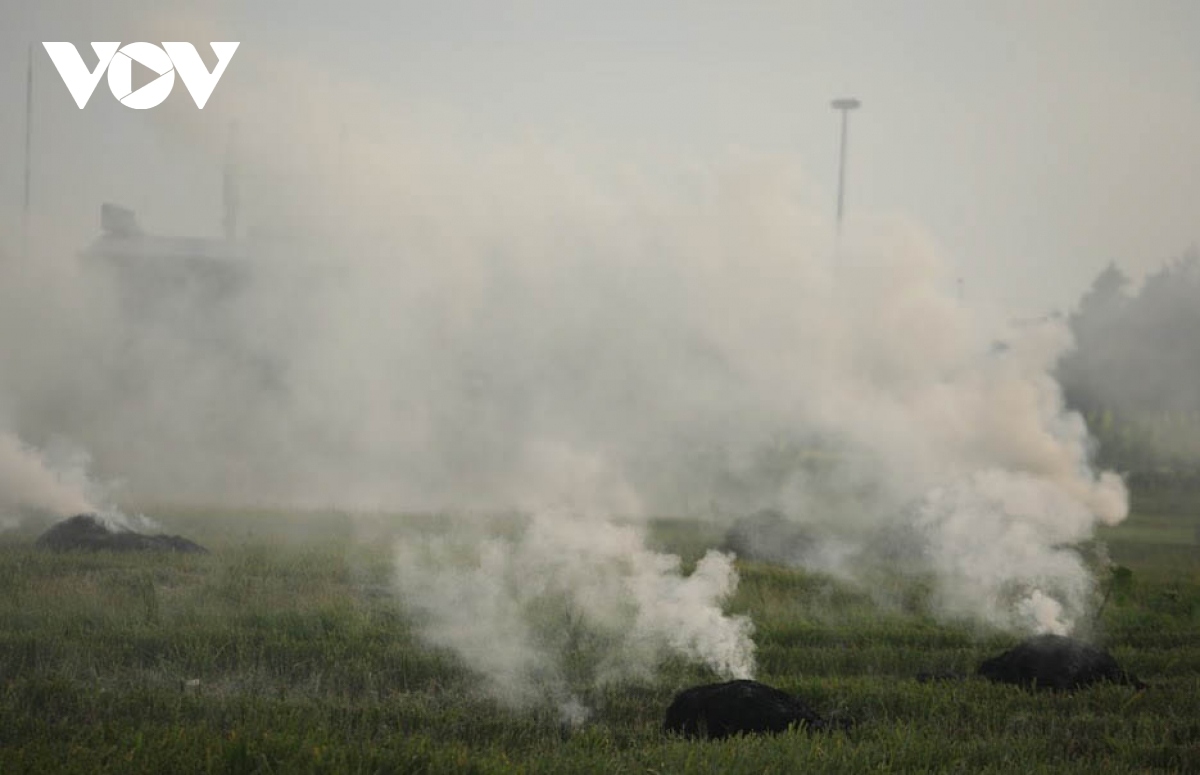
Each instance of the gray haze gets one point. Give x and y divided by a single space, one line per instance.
579 265
1037 141
1134 366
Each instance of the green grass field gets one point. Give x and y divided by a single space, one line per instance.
285 651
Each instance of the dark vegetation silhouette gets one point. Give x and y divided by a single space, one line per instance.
1135 369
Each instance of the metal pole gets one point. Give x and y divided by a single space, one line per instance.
25 210
842 169
845 105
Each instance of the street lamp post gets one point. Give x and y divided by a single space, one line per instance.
25 206
845 105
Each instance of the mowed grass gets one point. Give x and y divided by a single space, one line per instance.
286 651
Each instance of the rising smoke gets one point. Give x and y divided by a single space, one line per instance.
569 604
432 322
54 486
52 328
29 482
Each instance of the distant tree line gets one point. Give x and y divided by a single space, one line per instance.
1135 371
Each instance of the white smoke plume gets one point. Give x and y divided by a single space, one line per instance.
58 486
28 481
566 599
974 457
1000 545
568 604
431 320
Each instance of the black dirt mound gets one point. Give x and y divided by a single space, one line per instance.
769 536
1055 662
86 531
719 710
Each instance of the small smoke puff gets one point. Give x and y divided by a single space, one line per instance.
114 519
573 712
1044 613
570 604
1108 498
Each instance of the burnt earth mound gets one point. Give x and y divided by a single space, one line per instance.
90 533
716 711
1055 662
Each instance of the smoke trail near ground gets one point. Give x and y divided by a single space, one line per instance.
569 604
56 486
561 599
1000 546
55 334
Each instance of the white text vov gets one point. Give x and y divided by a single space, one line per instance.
118 61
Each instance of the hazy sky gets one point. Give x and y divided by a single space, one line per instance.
1036 141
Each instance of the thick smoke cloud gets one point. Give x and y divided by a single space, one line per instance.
432 322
